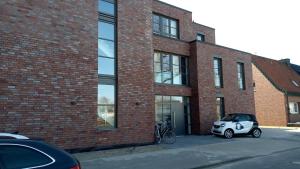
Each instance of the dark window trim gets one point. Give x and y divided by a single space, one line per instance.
220 70
203 37
242 65
171 68
108 79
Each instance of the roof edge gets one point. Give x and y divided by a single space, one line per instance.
203 25
173 6
268 78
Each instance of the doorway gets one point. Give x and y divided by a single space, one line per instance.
174 109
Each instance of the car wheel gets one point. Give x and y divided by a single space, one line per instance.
228 134
256 133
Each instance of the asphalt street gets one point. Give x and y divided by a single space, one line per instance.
277 148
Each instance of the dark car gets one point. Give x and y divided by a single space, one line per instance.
32 154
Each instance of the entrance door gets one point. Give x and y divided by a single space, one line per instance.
174 109
178 116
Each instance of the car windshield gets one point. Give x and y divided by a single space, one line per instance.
229 117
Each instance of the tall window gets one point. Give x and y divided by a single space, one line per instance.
241 76
218 72
165 26
106 64
170 69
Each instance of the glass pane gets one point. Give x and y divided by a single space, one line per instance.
173 32
165 30
106 7
165 22
106 48
156 28
176 75
217 81
106 30
158 108
156 57
157 67
167 77
158 77
176 60
25 157
166 59
106 94
155 19
173 24
106 116
167 108
106 66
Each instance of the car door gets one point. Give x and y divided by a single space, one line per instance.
243 124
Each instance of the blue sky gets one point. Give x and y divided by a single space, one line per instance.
269 28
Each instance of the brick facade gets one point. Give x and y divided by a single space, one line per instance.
49 59
270 103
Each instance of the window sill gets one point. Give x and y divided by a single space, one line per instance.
170 85
100 129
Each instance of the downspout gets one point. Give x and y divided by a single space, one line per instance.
287 108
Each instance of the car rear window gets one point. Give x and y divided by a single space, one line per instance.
17 156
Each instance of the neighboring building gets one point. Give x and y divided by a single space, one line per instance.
152 63
277 92
293 66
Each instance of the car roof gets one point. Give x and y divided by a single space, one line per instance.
16 136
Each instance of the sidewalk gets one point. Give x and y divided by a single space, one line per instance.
189 152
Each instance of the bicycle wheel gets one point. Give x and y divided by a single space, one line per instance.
169 137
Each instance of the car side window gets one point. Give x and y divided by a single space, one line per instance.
244 118
17 156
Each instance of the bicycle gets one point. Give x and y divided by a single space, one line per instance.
164 133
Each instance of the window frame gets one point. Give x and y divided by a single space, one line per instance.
219 69
161 26
108 79
242 73
294 107
183 72
202 35
34 149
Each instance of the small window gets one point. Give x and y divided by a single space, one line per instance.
294 108
200 37
26 157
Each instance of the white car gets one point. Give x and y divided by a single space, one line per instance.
237 124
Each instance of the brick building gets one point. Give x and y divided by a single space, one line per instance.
152 63
277 92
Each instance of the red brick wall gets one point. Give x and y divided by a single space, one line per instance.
49 57
236 100
269 102
208 32
293 118
171 90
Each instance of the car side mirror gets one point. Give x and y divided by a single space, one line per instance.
235 120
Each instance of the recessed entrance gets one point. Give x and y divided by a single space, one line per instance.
174 109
